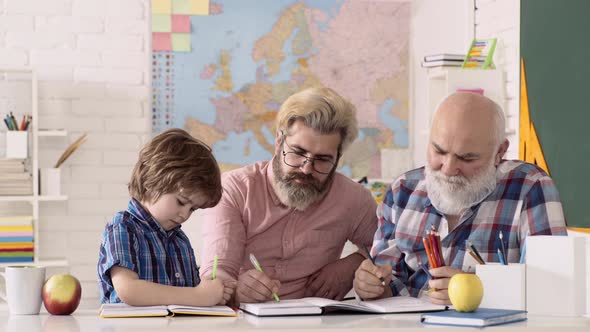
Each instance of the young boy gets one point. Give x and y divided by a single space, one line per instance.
145 258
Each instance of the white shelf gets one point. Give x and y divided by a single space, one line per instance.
53 198
30 198
27 84
55 133
42 262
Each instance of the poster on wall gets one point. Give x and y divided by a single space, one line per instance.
221 69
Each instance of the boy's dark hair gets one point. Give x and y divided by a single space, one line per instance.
174 161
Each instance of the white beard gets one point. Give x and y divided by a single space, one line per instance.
453 194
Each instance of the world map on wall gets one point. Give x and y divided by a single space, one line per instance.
247 57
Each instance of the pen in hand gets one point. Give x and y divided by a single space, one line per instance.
259 269
373 261
214 274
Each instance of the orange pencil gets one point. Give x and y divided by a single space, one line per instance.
428 252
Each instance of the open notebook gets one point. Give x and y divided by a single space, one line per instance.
117 310
318 306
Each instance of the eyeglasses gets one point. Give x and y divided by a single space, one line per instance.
296 159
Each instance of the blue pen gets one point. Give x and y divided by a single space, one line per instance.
501 257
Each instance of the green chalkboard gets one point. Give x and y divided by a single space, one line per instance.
555 46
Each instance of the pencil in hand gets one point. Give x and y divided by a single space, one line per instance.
373 261
258 268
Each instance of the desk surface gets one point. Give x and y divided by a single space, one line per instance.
88 320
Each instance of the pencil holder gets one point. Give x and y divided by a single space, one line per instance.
556 275
50 181
504 286
17 144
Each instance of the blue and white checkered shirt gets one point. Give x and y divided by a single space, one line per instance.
136 241
525 201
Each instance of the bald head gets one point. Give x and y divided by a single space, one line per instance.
473 112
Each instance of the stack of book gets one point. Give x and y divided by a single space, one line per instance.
16 239
443 60
14 179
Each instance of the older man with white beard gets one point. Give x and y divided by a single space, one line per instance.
294 213
468 193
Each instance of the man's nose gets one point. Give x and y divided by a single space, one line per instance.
307 167
450 167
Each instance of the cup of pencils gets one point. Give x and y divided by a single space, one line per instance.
17 136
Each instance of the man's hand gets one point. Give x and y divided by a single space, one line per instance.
442 276
367 280
254 286
333 280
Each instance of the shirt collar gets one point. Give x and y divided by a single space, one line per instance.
143 216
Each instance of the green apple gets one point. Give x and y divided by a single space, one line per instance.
61 294
465 291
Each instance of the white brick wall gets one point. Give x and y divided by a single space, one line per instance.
91 57
501 19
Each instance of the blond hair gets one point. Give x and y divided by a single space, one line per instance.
321 109
174 161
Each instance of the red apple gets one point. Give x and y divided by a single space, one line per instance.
61 294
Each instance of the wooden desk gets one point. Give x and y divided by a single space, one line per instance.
88 320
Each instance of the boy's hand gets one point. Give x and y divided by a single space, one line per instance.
229 286
210 292
254 286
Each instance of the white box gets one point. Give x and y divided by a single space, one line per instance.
50 181
17 144
504 286
556 275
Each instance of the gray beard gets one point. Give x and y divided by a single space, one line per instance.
453 194
298 195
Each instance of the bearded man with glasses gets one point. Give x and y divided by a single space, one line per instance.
294 213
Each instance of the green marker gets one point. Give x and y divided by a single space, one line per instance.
214 275
259 269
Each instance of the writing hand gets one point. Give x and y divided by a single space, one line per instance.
367 280
254 286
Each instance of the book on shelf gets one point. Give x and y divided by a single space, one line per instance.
12 166
442 63
444 56
16 239
318 306
479 318
122 310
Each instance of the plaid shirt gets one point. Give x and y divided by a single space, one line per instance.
525 201
136 241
